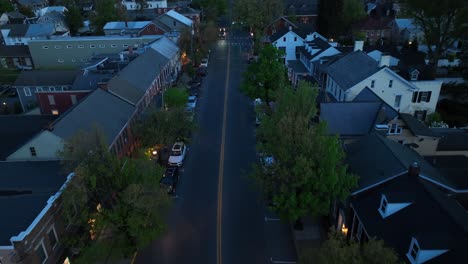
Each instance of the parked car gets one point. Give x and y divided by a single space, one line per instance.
202 71
177 154
204 62
191 103
170 179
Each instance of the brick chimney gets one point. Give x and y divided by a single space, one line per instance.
413 170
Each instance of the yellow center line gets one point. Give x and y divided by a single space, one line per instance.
221 166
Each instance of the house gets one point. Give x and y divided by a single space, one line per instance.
349 74
15 57
57 19
290 39
452 141
18 129
137 28
134 5
175 21
29 83
14 17
34 228
303 11
48 9
188 12
284 22
22 34
74 52
409 31
34 4
377 30
377 56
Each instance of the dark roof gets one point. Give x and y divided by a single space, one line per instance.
417 127
305 52
297 66
100 108
301 7
352 69
18 129
14 51
375 158
16 29
453 167
90 80
453 141
435 220
40 78
349 118
39 179
278 34
371 23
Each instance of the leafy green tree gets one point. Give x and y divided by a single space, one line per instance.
337 249
116 205
308 171
442 23
265 76
353 12
164 127
175 97
74 18
211 9
329 21
25 10
6 6
106 11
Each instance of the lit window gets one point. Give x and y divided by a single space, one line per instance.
55 112
32 150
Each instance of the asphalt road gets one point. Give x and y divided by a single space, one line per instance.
218 216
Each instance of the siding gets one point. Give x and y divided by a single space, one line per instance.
46 145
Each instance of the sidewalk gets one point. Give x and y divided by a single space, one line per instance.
310 237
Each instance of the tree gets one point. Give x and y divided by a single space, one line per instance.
175 97
442 23
74 18
106 11
265 76
211 9
25 10
337 249
354 11
142 4
329 21
116 205
308 171
164 127
6 6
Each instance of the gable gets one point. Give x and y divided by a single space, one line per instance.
45 144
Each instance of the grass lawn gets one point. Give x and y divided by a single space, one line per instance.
8 76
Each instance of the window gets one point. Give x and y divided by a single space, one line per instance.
51 99
84 60
414 75
174 23
52 89
41 253
421 97
73 60
57 46
284 39
55 112
413 251
38 89
69 46
397 101
113 45
32 150
394 129
92 46
295 38
420 115
45 47
52 235
125 45
73 98
27 91
390 84
383 204
60 60
102 46
372 84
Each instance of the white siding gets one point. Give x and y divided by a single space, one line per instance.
46 145
289 45
150 4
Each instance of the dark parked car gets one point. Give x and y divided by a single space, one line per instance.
170 179
202 71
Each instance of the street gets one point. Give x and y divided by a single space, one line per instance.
218 215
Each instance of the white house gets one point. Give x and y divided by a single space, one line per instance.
349 75
377 55
133 5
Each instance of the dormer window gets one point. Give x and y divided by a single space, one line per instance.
394 130
413 251
414 75
417 255
383 204
386 209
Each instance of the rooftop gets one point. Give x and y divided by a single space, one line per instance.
180 18
126 25
417 127
453 142
44 78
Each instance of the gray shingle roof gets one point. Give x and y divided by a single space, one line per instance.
18 129
417 127
297 66
132 82
453 167
14 51
453 141
349 119
352 69
40 78
100 108
165 47
30 30
126 25
41 179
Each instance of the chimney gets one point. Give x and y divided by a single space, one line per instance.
121 56
384 60
358 45
413 170
290 28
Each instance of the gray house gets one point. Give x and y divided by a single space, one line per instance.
74 52
30 82
175 21
57 19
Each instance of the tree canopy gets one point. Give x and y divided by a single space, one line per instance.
441 21
25 10
337 249
307 174
175 97
74 18
116 205
211 9
265 76
6 6
106 11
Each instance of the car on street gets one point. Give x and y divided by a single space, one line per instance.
170 179
177 155
204 62
191 103
202 71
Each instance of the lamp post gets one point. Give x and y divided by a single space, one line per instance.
191 45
